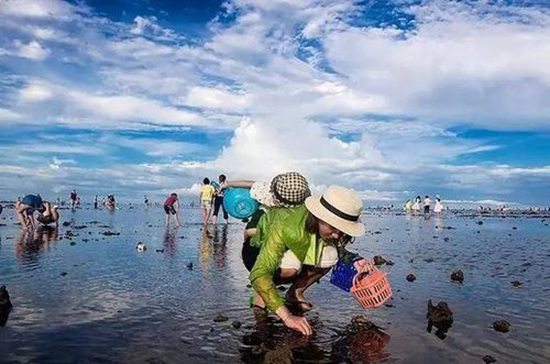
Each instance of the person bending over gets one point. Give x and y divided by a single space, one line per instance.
301 248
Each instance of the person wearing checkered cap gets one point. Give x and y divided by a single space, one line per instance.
285 190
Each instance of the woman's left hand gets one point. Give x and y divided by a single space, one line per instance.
361 265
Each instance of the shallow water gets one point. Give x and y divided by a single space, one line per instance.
119 305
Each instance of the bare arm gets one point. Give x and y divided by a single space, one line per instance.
239 184
22 215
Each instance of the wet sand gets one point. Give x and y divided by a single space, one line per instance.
84 293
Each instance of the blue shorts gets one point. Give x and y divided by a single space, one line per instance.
33 201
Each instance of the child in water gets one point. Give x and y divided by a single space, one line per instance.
205 197
171 206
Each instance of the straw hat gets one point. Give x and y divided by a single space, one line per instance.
340 208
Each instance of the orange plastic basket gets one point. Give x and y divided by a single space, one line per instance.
371 287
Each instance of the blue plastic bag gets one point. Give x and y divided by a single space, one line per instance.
238 203
343 273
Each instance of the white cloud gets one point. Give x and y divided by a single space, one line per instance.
8 115
37 9
458 62
149 26
268 73
216 98
32 50
35 92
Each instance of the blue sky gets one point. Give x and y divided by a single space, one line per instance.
391 98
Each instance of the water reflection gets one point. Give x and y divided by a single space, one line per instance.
31 243
220 246
274 343
205 250
169 241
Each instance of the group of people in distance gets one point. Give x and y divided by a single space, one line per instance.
211 194
414 207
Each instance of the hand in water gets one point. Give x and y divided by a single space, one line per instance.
299 324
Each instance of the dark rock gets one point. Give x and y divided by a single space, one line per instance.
63 274
360 342
389 262
190 266
446 239
72 243
5 306
441 317
5 302
110 233
489 359
501 326
379 260
457 276
66 223
410 277
516 283
480 222
236 324
220 318
80 227
160 250
514 228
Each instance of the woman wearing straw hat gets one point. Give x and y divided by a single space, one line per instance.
302 247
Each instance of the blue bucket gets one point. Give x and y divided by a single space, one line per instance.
238 203
342 275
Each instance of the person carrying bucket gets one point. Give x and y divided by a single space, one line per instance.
218 200
301 246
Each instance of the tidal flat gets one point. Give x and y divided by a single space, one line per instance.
84 293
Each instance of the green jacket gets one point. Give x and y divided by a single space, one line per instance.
282 231
279 230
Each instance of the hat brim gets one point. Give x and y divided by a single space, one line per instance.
352 228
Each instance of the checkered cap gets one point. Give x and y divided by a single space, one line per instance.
290 189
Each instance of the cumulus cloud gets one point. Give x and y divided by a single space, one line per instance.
8 115
303 85
32 50
56 9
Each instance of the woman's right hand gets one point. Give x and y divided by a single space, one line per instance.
298 323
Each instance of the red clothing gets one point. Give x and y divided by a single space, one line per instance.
170 201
